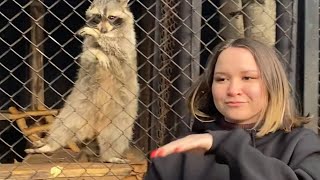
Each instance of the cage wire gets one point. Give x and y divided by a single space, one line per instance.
39 61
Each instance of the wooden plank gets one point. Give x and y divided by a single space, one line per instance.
71 170
133 154
63 165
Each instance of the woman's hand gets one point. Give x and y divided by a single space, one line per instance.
195 143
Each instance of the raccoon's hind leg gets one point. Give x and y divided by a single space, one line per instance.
56 139
112 143
89 151
63 134
69 126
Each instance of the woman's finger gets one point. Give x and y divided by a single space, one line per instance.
195 142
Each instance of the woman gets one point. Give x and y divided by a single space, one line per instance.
254 131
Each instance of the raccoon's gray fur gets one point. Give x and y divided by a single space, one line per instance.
104 101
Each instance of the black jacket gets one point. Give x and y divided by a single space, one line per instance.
238 155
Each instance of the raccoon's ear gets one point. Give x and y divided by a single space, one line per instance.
124 3
91 11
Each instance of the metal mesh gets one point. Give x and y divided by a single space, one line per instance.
39 61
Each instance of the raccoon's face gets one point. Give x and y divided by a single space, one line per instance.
107 16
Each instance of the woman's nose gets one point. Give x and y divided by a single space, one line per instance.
234 88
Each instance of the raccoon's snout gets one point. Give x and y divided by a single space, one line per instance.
105 27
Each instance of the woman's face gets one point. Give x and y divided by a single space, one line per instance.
238 91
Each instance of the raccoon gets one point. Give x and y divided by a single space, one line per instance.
103 104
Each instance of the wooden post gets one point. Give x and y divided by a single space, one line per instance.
260 20
36 61
231 19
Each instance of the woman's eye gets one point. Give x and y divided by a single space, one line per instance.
220 79
247 78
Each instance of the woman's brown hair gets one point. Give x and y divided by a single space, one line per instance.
280 112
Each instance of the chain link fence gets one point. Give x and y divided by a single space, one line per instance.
39 61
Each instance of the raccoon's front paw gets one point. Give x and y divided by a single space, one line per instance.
96 55
87 31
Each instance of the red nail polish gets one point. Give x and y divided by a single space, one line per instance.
160 153
153 153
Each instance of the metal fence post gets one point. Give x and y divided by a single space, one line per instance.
311 62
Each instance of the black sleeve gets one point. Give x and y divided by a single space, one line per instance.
166 168
248 163
152 173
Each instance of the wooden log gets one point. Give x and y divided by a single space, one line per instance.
12 116
37 12
21 122
49 119
231 19
260 21
35 129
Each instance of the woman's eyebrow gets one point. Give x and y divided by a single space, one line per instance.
250 71
244 71
219 72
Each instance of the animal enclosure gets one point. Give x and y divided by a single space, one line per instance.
39 61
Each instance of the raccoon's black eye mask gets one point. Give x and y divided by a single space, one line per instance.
115 20
96 19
